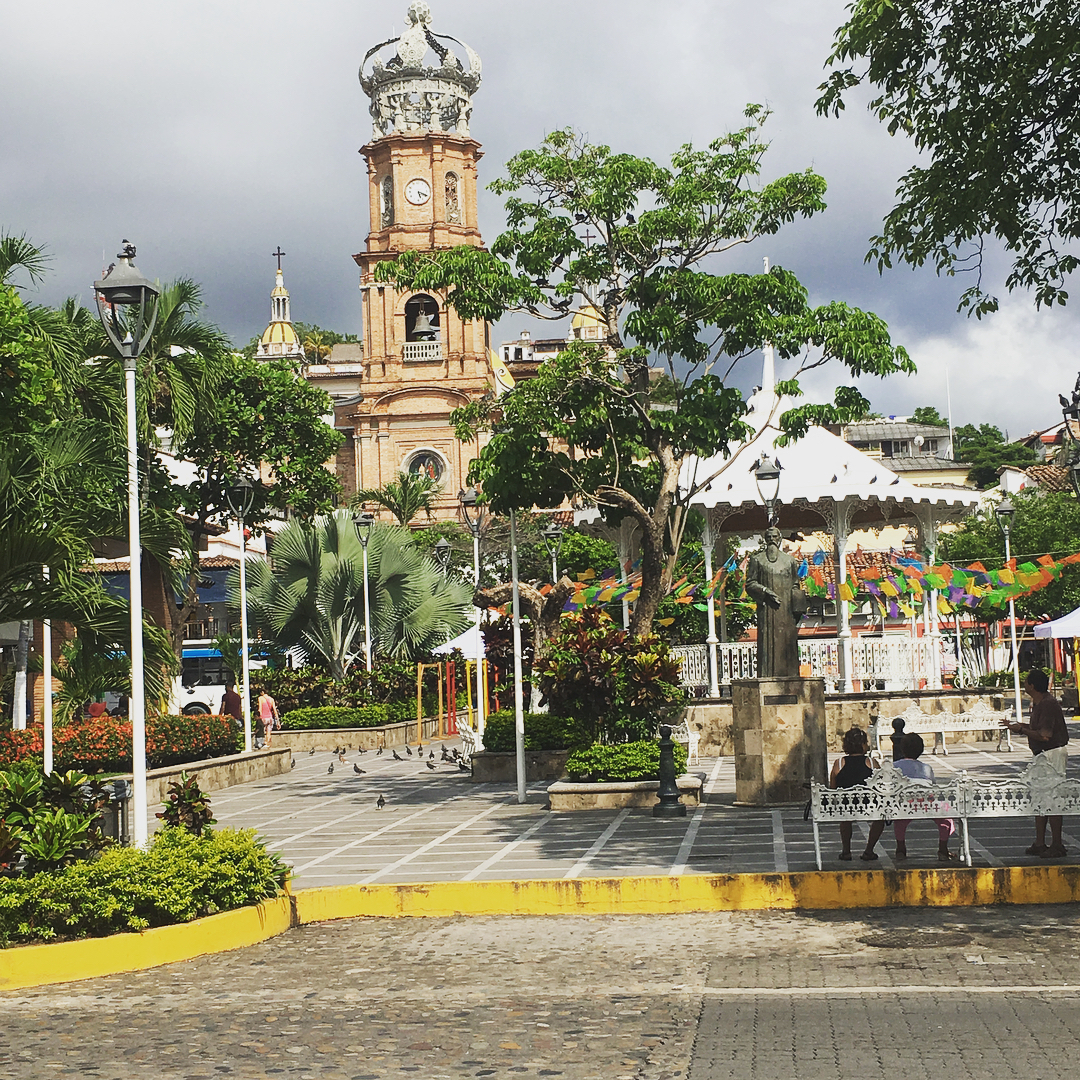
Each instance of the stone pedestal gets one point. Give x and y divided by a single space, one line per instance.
780 744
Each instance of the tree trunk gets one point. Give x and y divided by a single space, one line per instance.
22 658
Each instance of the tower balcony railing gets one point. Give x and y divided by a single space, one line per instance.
420 351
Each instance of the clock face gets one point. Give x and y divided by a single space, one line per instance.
417 192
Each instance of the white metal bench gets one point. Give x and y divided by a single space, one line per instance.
682 733
888 794
980 717
470 740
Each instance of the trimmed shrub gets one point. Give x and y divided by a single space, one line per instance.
103 744
624 761
542 732
20 745
335 717
179 878
398 712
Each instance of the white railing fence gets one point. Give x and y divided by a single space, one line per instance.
877 663
422 350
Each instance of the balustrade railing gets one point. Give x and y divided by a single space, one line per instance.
422 350
877 663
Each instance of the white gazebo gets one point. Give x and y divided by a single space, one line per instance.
825 484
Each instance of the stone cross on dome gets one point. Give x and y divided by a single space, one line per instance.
408 94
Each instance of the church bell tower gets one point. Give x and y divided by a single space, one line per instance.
421 360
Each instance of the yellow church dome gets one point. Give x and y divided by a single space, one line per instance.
587 324
279 333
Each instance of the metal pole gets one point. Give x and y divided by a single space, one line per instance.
47 712
245 660
1012 634
711 640
367 616
481 684
519 703
137 700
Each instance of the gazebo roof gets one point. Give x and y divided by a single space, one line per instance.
818 473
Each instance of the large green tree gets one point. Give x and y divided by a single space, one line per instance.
639 241
312 595
988 92
985 449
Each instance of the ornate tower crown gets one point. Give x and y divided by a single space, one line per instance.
406 94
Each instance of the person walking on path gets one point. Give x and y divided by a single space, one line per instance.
231 703
268 714
914 769
848 771
1048 735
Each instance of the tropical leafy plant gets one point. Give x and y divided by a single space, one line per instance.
410 494
638 760
187 806
312 596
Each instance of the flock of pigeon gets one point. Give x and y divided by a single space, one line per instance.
450 757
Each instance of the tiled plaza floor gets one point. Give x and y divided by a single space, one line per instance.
436 825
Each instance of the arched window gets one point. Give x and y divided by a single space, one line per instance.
421 318
453 199
387 201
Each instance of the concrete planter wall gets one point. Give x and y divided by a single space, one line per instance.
712 719
213 774
567 796
501 768
366 738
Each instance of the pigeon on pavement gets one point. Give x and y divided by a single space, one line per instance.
408 750
293 765
397 756
378 753
331 768
380 802
430 764
356 769
311 752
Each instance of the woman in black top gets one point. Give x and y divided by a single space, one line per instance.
847 771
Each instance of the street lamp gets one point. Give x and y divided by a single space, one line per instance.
127 307
1006 512
552 535
240 496
474 513
363 522
1070 411
442 555
519 703
767 478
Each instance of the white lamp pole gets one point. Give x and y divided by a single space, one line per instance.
519 701
712 639
363 522
124 287
47 712
475 520
241 496
1005 514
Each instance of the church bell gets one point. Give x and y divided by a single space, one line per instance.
422 328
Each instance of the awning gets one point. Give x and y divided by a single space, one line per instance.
1066 626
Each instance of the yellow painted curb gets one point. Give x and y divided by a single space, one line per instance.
67 961
697 893
38 965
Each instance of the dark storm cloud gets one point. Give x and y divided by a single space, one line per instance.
210 132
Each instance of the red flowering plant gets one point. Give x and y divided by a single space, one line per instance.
20 745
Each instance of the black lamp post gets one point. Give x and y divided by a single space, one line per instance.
127 307
240 496
474 513
363 522
1006 513
767 478
442 552
1070 411
552 535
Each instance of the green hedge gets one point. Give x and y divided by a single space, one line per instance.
103 744
621 761
542 732
330 716
179 878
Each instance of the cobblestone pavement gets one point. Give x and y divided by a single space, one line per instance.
985 994
437 825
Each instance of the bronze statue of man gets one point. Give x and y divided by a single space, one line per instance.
772 580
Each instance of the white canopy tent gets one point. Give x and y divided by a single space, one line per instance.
825 483
1068 626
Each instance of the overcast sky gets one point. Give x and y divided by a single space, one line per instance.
211 131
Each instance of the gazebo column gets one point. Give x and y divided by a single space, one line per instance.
928 533
841 524
711 640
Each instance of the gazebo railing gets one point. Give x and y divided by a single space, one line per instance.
878 663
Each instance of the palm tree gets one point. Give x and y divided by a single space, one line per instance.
312 596
404 497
